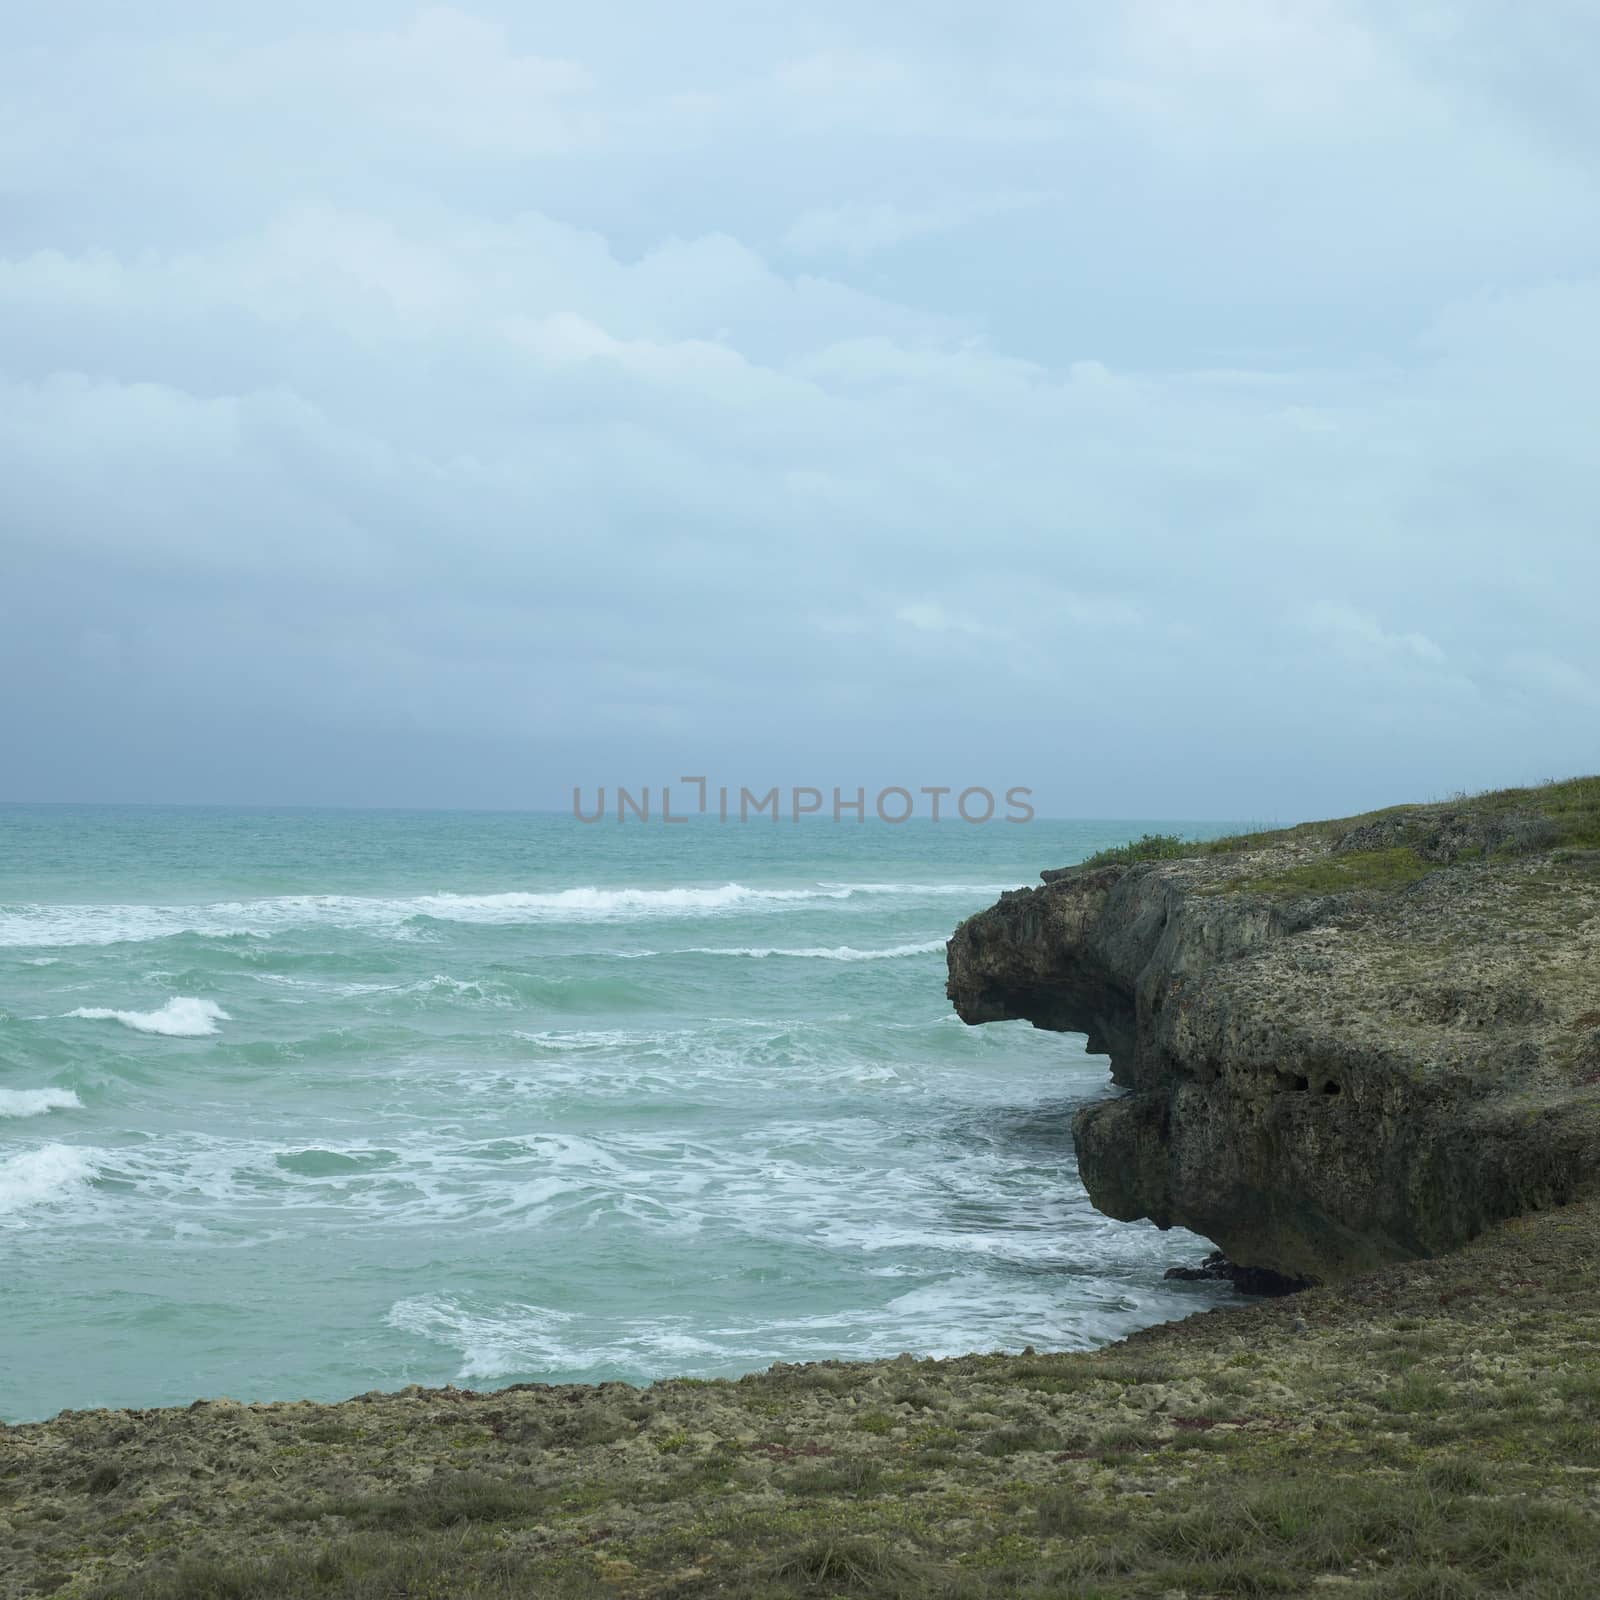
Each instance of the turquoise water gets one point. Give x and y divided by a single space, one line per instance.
308 1103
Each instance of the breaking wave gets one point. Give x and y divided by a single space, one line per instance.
182 1017
35 1102
58 925
38 1177
841 952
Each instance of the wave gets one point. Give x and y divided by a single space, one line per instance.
61 925
842 952
38 1177
35 1102
939 889
950 1313
559 991
439 983
518 1338
593 902
593 1038
182 1017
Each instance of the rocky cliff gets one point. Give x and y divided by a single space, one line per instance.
1340 1044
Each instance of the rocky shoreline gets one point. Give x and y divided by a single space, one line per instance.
1342 1044
1428 1430
1364 1052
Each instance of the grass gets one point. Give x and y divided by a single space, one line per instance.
849 1564
1363 869
1148 847
1561 816
1432 1433
369 1567
1569 807
1407 843
444 1501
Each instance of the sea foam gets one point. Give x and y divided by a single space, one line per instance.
182 1017
595 902
35 1102
64 925
37 1177
841 952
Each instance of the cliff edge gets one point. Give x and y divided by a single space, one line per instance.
1343 1043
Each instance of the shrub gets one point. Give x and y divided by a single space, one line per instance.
1148 847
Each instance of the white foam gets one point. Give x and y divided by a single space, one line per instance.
345 991
842 952
945 1315
579 904
519 1338
58 925
39 1177
182 1017
35 1102
440 983
588 1038
940 889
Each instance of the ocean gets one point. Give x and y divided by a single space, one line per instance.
301 1103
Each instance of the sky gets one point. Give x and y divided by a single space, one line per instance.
1180 409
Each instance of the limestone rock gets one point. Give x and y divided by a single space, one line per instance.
1343 1044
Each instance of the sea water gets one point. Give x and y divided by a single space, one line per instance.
304 1103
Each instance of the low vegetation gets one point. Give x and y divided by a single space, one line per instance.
1148 847
1429 1432
1562 814
1396 847
1335 874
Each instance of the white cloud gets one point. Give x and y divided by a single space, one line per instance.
445 75
1361 637
459 373
863 229
928 616
1313 68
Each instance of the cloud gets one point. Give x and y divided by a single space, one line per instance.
1221 73
454 407
1361 637
862 230
928 616
445 75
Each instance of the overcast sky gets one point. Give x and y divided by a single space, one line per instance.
1184 407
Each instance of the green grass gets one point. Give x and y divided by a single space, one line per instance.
1271 1516
1148 847
368 1567
849 1564
1571 807
1020 1438
1361 869
1559 816
446 1500
1416 1394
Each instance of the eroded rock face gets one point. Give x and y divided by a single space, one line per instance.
1317 1082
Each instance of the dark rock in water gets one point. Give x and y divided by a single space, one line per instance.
1247 1280
1342 1044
